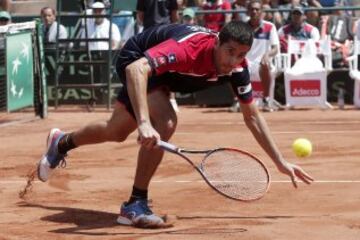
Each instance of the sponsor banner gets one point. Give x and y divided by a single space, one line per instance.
305 88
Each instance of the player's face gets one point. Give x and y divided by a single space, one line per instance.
229 55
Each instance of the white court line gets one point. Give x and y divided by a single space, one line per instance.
285 132
174 181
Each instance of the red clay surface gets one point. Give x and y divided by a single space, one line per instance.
82 201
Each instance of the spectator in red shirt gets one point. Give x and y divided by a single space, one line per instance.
215 21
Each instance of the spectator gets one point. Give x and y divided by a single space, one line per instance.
154 12
297 29
188 16
264 47
126 26
5 18
215 21
99 28
48 16
340 28
267 16
240 5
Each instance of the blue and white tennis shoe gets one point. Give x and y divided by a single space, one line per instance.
139 214
52 158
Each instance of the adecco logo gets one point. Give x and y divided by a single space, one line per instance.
305 88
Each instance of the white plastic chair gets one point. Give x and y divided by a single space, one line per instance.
354 71
306 85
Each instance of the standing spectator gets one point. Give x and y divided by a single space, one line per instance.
5 18
155 12
297 29
215 21
99 28
48 16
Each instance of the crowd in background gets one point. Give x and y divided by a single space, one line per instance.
340 25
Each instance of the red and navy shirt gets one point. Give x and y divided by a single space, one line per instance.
185 53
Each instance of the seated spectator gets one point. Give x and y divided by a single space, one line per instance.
240 5
5 18
188 16
340 28
215 21
297 29
48 16
99 28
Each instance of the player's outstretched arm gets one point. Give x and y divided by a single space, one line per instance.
257 124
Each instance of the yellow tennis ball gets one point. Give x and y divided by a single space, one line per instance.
302 147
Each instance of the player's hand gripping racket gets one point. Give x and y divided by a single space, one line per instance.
233 173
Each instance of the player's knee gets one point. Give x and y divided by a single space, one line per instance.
168 129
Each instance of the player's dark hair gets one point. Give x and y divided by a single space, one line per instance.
237 31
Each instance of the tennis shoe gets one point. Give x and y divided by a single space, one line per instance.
267 106
52 158
139 214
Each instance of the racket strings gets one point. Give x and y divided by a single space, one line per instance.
236 174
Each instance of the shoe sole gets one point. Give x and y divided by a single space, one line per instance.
50 136
143 224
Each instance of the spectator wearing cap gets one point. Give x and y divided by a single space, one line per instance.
5 18
99 27
188 16
297 29
48 16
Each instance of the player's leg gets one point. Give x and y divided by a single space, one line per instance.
164 120
117 128
265 76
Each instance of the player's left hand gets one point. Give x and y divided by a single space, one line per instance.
295 172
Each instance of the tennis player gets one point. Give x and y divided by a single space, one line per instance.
161 60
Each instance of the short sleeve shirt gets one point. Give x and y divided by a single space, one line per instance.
188 52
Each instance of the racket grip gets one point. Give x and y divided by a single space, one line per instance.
167 146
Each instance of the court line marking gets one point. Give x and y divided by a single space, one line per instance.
284 132
176 181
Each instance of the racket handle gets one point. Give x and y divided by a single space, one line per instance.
167 146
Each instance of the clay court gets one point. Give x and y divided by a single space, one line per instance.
82 201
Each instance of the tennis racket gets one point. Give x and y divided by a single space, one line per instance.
233 173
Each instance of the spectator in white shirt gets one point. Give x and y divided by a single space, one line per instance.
48 16
100 28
